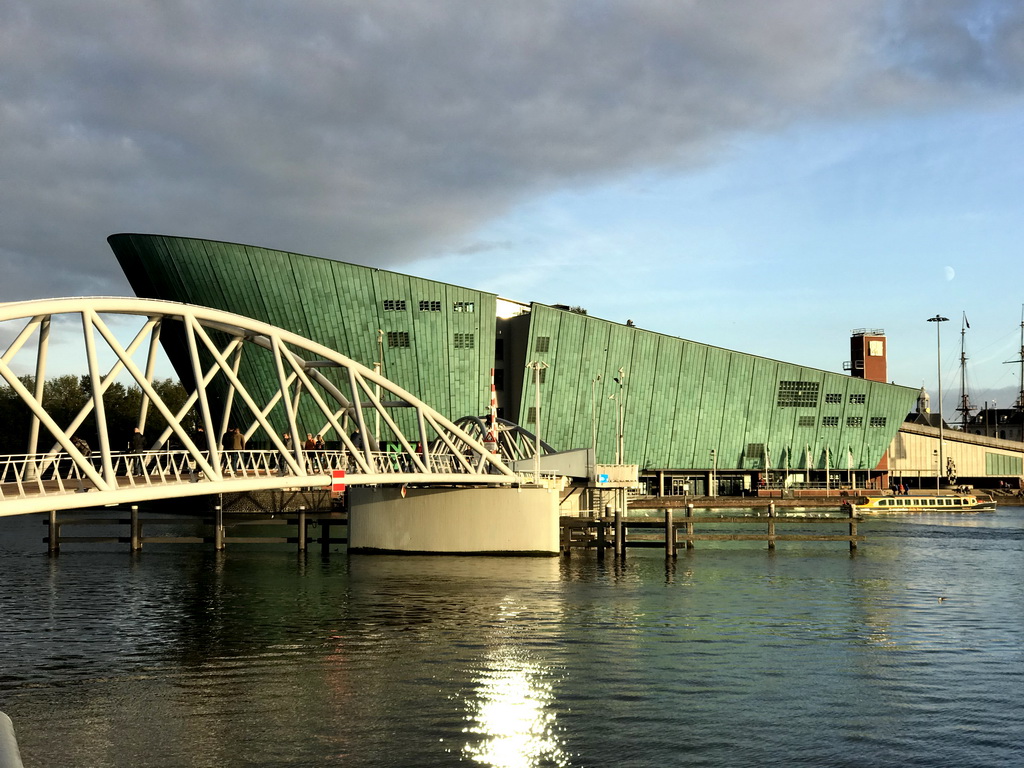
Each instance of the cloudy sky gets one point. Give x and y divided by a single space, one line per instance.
763 176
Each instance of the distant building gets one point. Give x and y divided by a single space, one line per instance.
923 415
1004 423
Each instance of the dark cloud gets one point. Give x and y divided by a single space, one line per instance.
377 131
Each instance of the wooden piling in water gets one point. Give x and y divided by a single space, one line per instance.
135 530
664 532
325 538
620 544
218 536
53 540
218 528
670 535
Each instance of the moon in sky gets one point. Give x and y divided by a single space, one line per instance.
950 273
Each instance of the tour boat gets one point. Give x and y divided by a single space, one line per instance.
961 502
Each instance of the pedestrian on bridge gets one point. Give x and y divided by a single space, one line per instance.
289 446
234 442
321 452
312 462
137 444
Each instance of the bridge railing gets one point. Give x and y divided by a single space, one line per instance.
24 475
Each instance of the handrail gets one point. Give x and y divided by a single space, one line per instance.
41 475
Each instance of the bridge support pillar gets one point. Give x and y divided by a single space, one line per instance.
302 529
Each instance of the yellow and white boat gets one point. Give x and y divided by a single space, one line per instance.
960 502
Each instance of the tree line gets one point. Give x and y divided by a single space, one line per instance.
64 397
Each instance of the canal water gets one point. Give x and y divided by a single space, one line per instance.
907 653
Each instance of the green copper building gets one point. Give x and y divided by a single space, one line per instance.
680 410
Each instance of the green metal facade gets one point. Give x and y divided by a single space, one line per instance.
449 351
681 398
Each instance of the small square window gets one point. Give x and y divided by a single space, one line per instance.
464 340
430 306
834 397
798 394
830 421
398 338
464 306
877 421
858 399
805 421
394 305
855 421
543 344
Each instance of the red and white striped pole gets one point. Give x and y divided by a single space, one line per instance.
491 438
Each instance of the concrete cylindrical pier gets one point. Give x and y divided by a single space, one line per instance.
454 520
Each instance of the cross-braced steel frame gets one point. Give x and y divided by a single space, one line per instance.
378 432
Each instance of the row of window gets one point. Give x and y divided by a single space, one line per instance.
757 449
804 394
936 502
428 305
833 421
836 398
851 421
400 339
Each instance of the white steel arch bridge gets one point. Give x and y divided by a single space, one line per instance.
380 433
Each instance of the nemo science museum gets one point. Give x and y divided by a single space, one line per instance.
694 419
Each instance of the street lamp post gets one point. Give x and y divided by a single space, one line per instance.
938 320
537 368
620 418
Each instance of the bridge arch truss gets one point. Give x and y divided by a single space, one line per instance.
378 432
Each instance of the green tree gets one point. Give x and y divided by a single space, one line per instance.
64 397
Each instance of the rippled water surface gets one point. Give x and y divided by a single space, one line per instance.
907 653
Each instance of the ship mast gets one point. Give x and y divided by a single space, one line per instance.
1019 404
965 406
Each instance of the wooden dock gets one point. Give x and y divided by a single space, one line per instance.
671 530
219 529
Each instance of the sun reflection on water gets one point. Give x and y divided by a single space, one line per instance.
510 715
